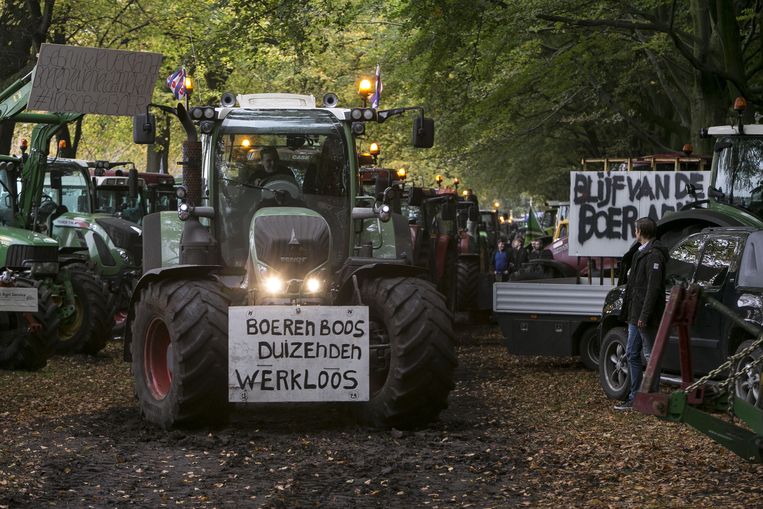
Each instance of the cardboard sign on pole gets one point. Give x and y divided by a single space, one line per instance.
93 80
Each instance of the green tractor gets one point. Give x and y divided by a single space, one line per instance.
278 280
65 275
112 243
734 196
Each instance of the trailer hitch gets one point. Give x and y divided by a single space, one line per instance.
684 404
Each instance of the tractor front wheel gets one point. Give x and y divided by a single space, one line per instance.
412 354
180 353
26 338
84 322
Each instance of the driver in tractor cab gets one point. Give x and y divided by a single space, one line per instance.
269 167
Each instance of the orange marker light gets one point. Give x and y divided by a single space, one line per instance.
364 87
374 149
740 104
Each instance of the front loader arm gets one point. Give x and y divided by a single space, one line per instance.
33 172
14 99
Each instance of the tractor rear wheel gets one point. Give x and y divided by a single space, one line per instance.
180 353
467 281
412 354
85 328
20 346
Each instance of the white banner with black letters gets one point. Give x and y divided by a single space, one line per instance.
298 354
604 206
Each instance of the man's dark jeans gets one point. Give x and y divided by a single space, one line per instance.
638 340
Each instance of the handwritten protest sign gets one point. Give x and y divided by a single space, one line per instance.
298 354
93 80
604 206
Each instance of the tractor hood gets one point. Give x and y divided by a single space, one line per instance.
15 236
293 241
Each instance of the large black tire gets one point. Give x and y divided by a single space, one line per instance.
410 383
20 346
467 282
180 353
590 346
88 328
119 307
747 386
614 376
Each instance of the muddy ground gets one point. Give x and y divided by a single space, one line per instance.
519 432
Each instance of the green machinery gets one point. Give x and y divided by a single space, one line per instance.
27 214
734 195
693 404
282 251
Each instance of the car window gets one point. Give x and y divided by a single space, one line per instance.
717 259
683 260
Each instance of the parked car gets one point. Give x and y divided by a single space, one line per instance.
727 262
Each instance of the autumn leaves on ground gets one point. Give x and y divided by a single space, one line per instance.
519 432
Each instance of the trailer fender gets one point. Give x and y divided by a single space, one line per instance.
174 272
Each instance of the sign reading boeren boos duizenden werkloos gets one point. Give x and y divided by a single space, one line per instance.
93 80
298 353
604 206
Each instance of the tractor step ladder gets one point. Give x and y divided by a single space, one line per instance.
687 404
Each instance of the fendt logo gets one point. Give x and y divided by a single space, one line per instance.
295 248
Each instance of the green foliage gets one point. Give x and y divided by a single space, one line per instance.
520 91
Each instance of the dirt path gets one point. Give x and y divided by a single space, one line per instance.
518 432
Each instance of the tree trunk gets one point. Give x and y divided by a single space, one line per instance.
157 155
709 92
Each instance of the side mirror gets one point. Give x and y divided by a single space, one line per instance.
423 132
132 183
55 179
144 129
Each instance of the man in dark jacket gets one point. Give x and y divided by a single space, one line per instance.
537 252
517 254
644 301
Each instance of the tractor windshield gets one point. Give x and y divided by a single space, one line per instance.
67 187
303 165
116 200
738 170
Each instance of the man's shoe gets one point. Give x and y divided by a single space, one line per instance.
624 406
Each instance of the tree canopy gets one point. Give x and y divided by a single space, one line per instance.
520 91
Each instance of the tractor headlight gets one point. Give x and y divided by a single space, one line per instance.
313 285
274 284
125 256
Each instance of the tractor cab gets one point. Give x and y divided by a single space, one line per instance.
288 164
738 168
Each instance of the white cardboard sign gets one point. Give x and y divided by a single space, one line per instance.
93 80
604 206
18 299
298 354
